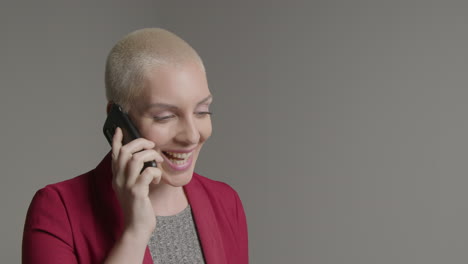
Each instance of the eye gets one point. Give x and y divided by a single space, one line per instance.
203 114
163 118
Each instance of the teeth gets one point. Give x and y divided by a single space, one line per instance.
178 162
179 155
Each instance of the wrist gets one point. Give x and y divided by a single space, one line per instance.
136 235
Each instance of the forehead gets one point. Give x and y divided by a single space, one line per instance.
175 84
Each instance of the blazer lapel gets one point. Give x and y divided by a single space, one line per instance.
205 222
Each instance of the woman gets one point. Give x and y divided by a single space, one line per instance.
117 213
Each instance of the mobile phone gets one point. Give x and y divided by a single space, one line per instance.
118 118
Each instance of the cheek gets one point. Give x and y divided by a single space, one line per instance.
159 135
205 130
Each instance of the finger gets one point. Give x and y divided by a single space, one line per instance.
158 167
137 145
148 176
159 159
156 172
128 150
116 143
136 162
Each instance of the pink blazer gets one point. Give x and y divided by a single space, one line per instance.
79 220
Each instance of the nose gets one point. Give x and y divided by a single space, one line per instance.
188 132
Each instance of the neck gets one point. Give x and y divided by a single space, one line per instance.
167 199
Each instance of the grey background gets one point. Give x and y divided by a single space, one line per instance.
342 124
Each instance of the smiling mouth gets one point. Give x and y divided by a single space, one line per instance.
177 158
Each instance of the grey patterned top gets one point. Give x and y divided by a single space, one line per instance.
175 240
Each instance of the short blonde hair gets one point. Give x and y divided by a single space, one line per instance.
137 53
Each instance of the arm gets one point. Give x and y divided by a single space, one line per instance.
47 236
132 190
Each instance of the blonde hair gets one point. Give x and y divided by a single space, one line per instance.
135 55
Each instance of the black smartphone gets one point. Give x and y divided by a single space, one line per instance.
118 118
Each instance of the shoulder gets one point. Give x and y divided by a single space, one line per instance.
52 207
72 218
67 188
62 197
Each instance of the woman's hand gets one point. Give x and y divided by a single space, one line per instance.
131 186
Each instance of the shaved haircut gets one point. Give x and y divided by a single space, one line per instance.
135 55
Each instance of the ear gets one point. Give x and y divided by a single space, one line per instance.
109 105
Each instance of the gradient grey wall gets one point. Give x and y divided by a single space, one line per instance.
340 123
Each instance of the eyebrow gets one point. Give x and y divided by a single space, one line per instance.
169 106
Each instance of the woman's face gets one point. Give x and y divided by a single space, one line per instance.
173 112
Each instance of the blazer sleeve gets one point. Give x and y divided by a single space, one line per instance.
242 231
47 236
